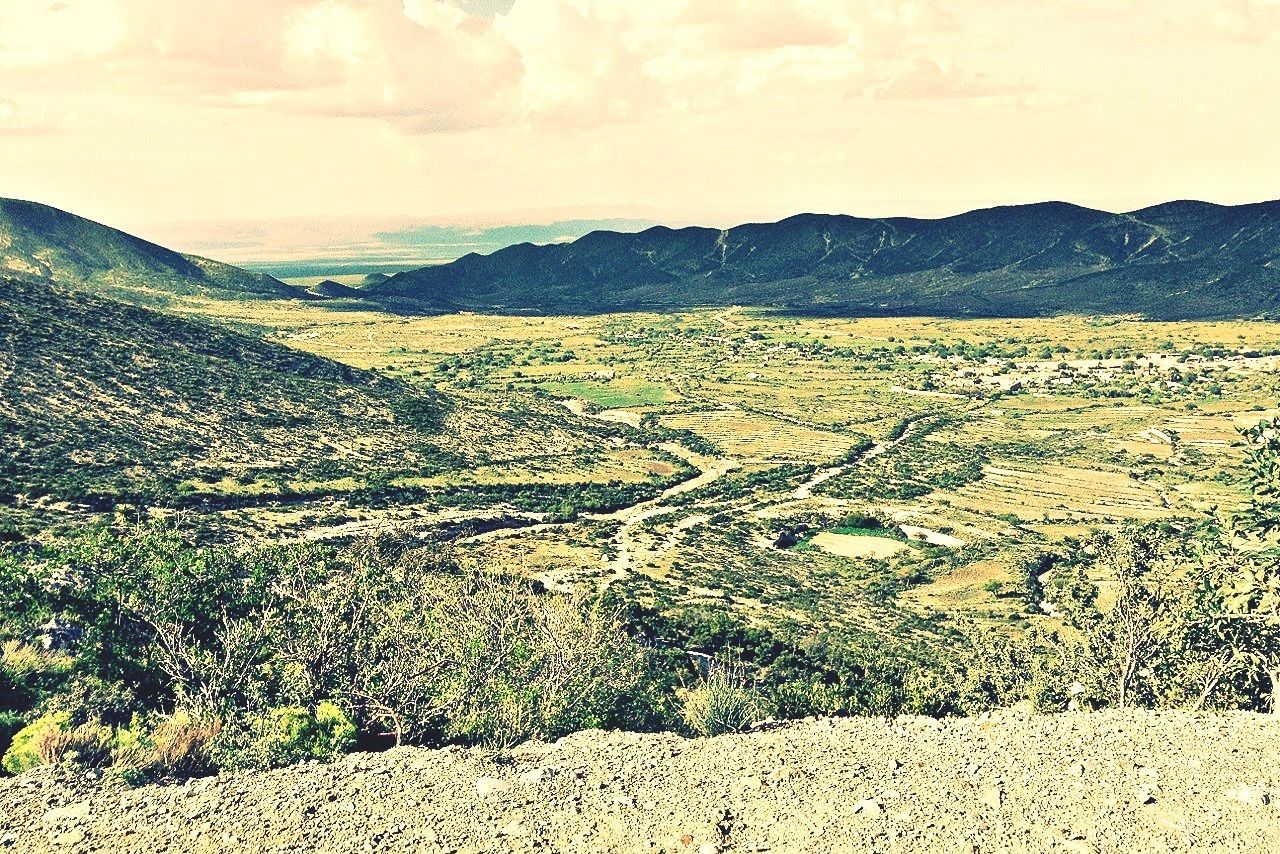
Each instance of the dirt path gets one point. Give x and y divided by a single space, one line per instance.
1083 782
629 551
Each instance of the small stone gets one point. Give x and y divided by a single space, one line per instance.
991 797
869 807
1251 795
1146 795
486 786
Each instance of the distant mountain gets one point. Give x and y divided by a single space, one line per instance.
330 289
41 243
1176 260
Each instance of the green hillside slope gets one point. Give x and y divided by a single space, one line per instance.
103 402
42 243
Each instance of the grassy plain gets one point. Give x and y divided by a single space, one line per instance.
1004 437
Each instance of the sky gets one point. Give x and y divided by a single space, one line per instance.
283 121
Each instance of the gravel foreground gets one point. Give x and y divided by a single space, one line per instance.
1104 781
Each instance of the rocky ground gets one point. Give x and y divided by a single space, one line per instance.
1137 781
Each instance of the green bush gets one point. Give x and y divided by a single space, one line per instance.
723 702
289 734
24 751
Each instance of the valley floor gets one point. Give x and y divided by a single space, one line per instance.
1106 781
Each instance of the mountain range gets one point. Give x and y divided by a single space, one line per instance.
1177 260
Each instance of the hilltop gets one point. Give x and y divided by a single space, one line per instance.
1180 260
1085 782
42 243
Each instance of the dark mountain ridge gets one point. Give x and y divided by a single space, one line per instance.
1176 260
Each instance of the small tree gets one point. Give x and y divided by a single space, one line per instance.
1127 639
1242 585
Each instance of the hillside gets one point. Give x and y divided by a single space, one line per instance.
102 401
42 243
105 403
1110 781
1178 260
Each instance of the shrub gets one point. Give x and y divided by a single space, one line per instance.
411 644
10 723
289 734
524 664
724 701
24 752
178 746
88 746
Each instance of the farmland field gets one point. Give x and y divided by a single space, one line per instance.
989 441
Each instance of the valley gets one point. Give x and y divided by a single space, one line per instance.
990 441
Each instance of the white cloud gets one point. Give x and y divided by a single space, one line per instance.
927 79
14 119
430 65
46 32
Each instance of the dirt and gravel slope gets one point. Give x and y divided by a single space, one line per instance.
1137 781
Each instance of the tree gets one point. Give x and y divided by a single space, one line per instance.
1143 561
1244 581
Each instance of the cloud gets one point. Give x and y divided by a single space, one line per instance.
16 120
437 65
928 80
41 32
1248 21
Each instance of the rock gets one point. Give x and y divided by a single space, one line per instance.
991 797
534 776
514 828
1251 795
70 813
869 807
486 786
782 775
70 838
